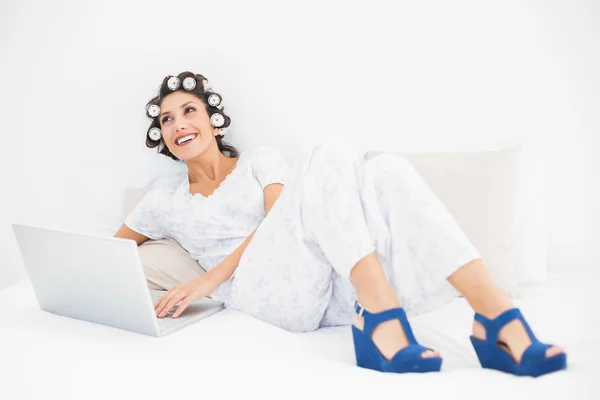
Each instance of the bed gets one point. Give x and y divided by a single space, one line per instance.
231 355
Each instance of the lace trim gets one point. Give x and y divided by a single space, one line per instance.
186 182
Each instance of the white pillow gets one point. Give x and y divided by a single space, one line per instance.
132 198
480 191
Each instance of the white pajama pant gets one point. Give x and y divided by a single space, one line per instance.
335 209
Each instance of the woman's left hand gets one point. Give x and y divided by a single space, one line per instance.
186 293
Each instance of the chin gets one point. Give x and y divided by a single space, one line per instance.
190 155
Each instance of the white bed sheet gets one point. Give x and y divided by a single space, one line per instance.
44 356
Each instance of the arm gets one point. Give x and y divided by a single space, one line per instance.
207 283
125 232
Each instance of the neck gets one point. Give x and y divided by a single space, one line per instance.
209 166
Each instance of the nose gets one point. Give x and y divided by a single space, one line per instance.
180 125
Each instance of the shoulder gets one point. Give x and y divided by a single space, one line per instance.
143 201
167 189
268 165
266 154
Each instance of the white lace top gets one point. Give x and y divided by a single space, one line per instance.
211 228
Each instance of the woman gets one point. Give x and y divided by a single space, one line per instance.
343 242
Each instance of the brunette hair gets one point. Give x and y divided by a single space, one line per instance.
202 95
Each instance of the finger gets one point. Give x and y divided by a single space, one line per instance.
158 302
186 302
176 298
162 304
162 301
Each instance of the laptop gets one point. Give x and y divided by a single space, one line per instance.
98 279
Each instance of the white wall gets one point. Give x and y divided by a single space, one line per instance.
430 75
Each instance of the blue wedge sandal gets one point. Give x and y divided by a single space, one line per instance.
494 354
408 359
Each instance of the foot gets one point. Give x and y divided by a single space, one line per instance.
389 338
513 339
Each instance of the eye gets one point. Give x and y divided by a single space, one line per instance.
188 108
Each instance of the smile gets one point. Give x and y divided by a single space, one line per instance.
184 139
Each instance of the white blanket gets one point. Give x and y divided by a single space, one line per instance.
44 356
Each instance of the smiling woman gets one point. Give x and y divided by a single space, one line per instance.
195 106
345 242
213 211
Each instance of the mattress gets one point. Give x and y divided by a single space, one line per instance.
229 355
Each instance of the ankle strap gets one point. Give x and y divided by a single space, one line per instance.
374 319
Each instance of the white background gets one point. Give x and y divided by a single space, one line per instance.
428 75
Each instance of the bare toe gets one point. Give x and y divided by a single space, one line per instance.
430 353
553 351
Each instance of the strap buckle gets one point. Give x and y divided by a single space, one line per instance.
360 311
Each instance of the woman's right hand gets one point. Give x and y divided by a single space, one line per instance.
186 293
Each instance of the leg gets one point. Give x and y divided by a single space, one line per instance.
390 186
334 218
278 280
418 241
283 278
166 263
418 244
486 298
376 294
